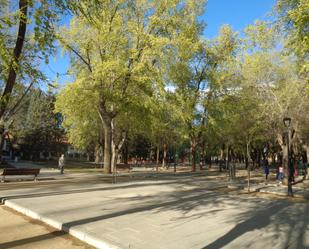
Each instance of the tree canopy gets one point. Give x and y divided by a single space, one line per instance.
144 70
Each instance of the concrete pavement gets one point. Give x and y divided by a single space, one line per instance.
174 212
21 232
300 190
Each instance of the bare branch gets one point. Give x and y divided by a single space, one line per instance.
14 109
79 56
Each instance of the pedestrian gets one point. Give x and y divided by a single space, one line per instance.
300 167
61 163
277 172
292 169
305 165
280 176
266 170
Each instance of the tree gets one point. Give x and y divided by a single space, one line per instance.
165 125
293 19
199 78
83 127
122 53
190 80
22 49
273 80
36 127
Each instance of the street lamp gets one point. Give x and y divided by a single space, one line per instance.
287 123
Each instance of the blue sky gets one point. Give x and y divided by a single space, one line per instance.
237 13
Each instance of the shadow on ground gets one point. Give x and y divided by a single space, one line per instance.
257 214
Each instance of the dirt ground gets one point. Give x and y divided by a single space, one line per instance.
19 231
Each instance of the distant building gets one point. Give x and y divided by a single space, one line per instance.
74 153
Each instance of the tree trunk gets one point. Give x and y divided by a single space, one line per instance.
285 143
107 123
107 147
158 155
248 165
193 154
97 155
164 155
259 158
2 138
210 163
117 143
203 159
285 163
246 160
227 159
23 8
114 159
125 153
150 153
221 158
11 79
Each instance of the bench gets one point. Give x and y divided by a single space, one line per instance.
124 167
20 171
121 167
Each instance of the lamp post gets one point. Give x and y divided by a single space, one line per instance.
287 124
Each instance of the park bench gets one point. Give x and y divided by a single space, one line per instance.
20 172
124 167
121 167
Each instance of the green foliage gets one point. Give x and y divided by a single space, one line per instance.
228 90
83 127
261 36
27 35
40 35
36 127
294 17
121 60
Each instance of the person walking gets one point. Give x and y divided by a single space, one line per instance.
280 176
61 163
305 165
300 168
292 169
266 170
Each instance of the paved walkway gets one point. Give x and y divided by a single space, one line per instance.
177 212
21 232
300 190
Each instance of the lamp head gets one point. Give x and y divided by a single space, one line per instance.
287 122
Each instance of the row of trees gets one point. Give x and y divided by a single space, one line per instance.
27 39
121 53
142 69
36 131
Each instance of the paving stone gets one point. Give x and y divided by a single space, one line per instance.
165 214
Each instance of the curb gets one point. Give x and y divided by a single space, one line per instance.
75 232
295 194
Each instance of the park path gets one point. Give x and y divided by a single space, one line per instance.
181 212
